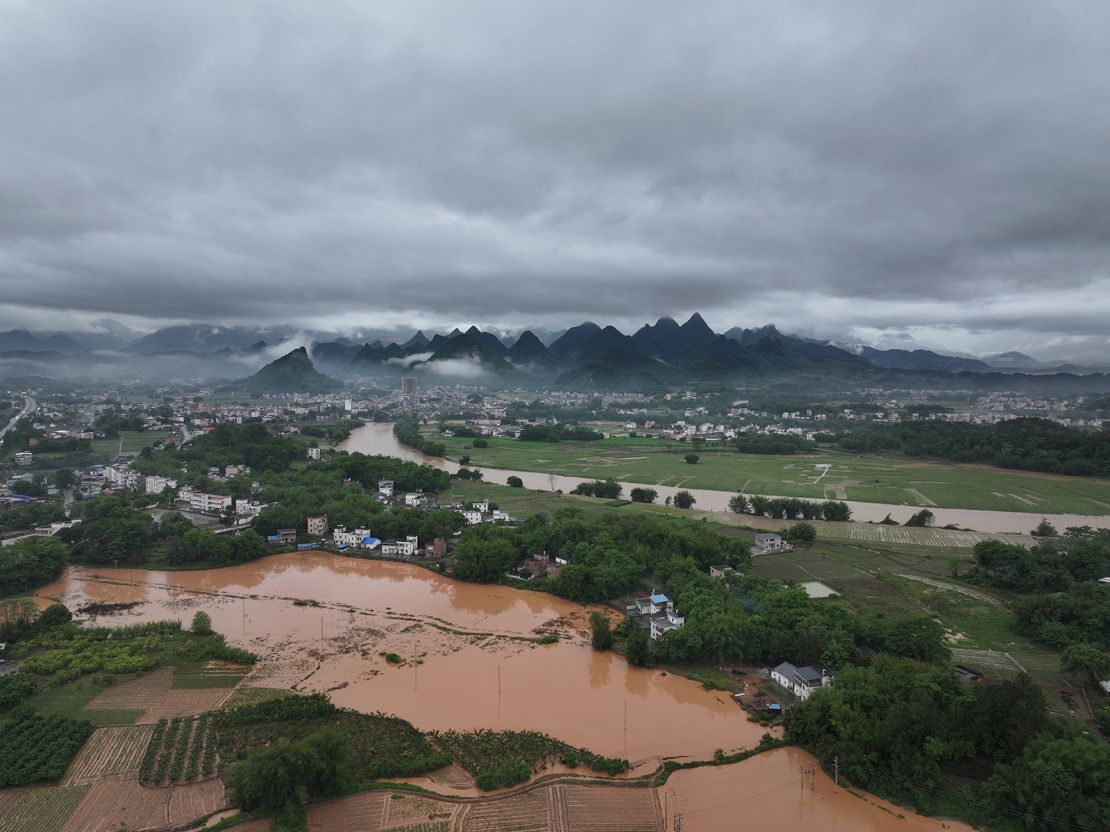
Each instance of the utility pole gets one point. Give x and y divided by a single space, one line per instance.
499 691
802 778
836 770
677 822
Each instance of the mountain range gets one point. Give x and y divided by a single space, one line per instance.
586 356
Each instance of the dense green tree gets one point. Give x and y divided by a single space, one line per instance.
801 533
30 563
643 495
202 624
684 499
692 459
515 482
601 634
921 518
1086 659
483 554
637 648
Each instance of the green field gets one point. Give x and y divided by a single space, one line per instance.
133 442
896 480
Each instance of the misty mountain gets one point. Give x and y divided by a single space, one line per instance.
527 349
465 348
294 372
896 359
204 338
24 341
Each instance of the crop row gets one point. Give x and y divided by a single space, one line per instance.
38 749
180 749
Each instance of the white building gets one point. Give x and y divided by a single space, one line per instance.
122 476
385 487
768 542
472 517
406 548
23 458
341 537
414 499
481 505
205 502
155 484
317 525
248 508
801 681
663 623
313 453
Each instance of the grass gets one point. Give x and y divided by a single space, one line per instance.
249 696
133 442
71 701
889 479
207 675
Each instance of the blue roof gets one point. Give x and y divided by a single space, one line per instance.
273 538
369 541
774 706
659 598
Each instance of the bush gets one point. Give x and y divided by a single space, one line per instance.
515 482
921 519
800 533
684 499
480 443
692 459
287 775
202 624
601 634
643 495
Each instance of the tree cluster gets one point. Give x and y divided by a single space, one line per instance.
790 508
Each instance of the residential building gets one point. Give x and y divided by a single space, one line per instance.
472 517
801 681
414 500
385 487
480 505
313 453
663 622
408 386
154 484
286 536
768 542
343 538
403 548
213 503
248 508
24 458
318 525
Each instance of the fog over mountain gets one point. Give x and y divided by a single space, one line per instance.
922 176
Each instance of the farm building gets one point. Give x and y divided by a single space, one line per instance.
801 681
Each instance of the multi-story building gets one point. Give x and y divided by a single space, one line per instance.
24 458
205 502
318 525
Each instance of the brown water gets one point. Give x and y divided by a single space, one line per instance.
466 663
765 793
378 438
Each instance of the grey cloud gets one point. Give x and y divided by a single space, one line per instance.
867 165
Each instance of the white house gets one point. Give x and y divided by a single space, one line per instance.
480 505
414 500
385 487
472 517
203 501
24 458
662 623
313 453
801 681
499 516
654 604
248 508
768 542
406 548
155 484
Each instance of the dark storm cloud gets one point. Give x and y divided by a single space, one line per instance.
831 167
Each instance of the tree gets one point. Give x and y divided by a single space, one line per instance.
484 553
739 504
464 459
1086 658
692 458
285 776
921 519
801 533
1044 529
601 634
643 495
684 499
63 478
480 443
515 482
202 624
636 647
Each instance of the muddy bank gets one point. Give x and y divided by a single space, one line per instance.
463 654
767 792
378 438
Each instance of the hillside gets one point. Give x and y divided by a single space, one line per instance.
294 372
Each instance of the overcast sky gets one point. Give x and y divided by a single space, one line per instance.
931 172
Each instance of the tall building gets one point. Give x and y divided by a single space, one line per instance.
408 385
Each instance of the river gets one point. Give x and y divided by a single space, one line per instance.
378 438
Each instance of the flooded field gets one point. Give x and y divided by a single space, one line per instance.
770 791
463 654
378 438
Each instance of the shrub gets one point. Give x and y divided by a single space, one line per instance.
684 499
692 459
202 624
515 482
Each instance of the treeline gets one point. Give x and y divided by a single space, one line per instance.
1027 444
558 433
250 444
30 515
1062 601
904 730
30 563
608 489
754 619
789 508
606 556
772 444
116 529
408 433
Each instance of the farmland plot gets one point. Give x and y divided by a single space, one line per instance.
527 812
184 702
42 810
143 692
111 753
363 812
195 800
116 804
612 809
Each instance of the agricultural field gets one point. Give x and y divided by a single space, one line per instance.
133 442
179 750
208 674
895 480
38 749
42 810
111 753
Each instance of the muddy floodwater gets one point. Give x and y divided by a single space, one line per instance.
775 791
464 654
378 438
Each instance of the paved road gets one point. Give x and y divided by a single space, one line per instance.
29 406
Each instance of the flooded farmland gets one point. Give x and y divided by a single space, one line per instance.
464 655
378 438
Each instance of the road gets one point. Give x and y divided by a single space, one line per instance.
29 406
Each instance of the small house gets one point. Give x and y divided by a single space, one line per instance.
318 525
801 681
287 536
769 542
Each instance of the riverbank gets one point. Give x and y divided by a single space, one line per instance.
378 438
